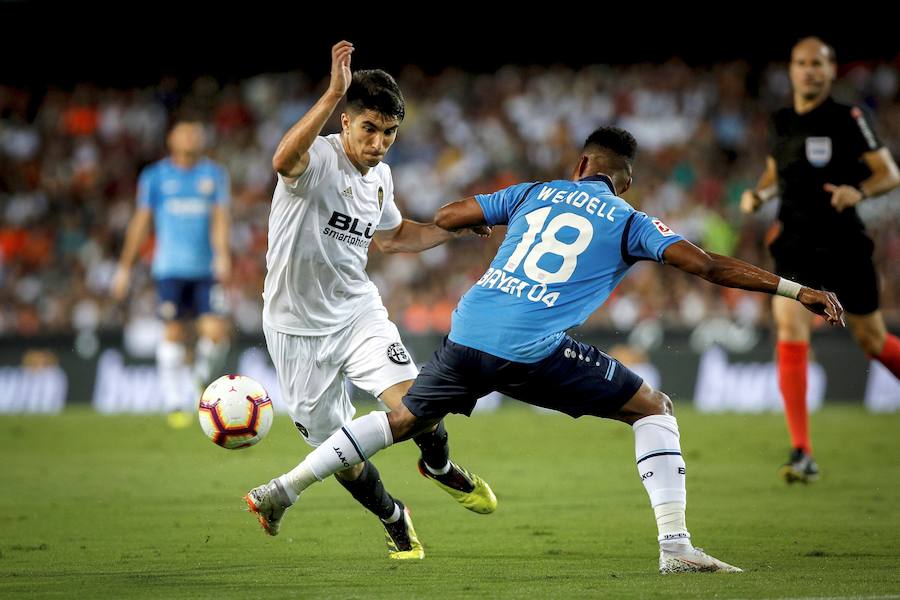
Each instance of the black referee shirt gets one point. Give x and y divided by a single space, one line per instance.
822 146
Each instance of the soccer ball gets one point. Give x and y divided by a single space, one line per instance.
235 411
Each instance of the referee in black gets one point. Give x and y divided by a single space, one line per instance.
824 159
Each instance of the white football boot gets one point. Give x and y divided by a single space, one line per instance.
692 560
268 502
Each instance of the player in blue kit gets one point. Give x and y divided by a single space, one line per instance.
186 196
568 245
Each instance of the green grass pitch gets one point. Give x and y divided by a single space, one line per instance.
121 507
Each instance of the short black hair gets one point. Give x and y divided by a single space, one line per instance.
192 117
614 140
376 90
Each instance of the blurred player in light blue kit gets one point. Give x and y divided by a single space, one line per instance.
186 196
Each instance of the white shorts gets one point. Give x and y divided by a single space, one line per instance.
312 370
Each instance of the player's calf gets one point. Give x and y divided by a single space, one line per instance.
435 448
347 447
367 488
662 470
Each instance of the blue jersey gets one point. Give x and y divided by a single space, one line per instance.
567 247
181 201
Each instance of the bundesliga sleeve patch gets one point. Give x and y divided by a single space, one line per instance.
662 228
864 128
397 353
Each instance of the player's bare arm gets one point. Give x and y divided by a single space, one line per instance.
221 224
459 215
450 221
732 272
766 188
462 214
292 155
411 236
885 177
134 237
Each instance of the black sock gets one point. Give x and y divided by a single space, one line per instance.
434 447
368 490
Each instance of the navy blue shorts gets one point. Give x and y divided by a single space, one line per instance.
185 298
576 379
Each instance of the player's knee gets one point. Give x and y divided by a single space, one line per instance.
173 331
791 331
667 405
792 326
214 328
645 403
216 334
870 341
403 423
393 396
662 404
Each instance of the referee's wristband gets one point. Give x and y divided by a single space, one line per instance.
788 289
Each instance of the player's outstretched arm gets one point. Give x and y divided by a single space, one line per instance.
732 272
461 214
411 236
766 188
292 155
134 237
450 220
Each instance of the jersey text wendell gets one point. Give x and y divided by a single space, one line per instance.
590 204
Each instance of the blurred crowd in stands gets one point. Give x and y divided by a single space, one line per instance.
69 160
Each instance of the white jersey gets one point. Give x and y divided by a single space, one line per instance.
320 228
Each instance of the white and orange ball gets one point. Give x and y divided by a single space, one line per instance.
235 411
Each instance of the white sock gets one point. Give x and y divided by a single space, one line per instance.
395 516
661 468
209 358
442 471
671 525
172 373
348 446
284 480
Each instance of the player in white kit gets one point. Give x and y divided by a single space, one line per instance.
323 318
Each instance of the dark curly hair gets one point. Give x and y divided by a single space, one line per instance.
614 140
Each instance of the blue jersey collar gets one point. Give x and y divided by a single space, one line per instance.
602 179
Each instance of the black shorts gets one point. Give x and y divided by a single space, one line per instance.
576 379
846 269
